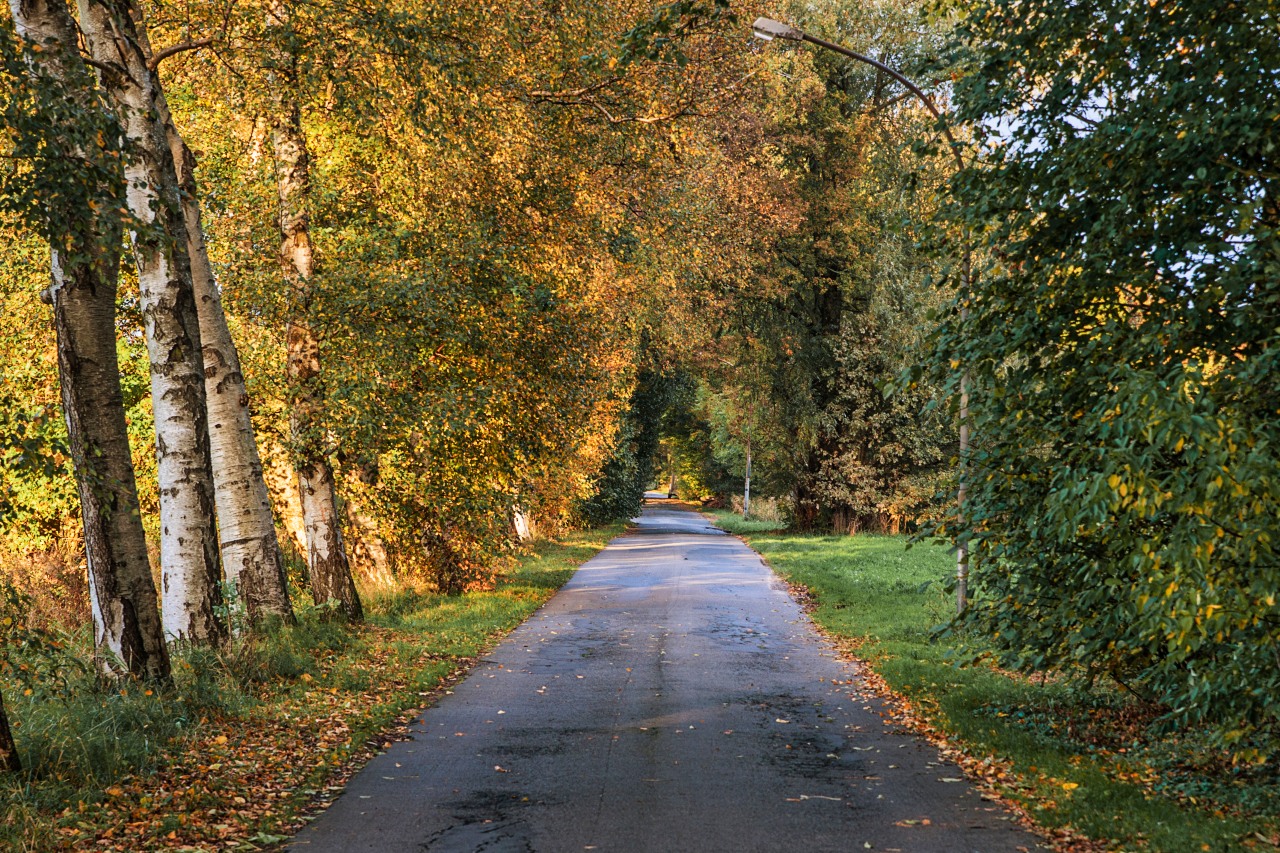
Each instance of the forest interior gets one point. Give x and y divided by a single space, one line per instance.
336 333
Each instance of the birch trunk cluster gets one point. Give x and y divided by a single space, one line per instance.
126 621
191 573
215 512
247 532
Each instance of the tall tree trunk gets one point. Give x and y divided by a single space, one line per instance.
188 531
326 559
247 531
128 638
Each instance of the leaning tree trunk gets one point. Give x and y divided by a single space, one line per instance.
192 593
128 638
326 559
250 549
246 528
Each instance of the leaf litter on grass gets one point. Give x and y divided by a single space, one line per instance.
243 780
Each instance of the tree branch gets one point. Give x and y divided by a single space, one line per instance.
157 57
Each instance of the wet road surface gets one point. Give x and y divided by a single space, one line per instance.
672 697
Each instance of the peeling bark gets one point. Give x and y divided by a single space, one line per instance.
128 637
188 532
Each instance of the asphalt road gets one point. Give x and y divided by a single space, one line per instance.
672 697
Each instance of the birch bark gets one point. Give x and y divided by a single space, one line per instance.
246 528
327 563
250 550
128 637
188 530
522 523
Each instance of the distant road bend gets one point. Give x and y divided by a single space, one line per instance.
672 697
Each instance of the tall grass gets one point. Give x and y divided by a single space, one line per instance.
78 736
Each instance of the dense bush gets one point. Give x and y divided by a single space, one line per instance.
1122 348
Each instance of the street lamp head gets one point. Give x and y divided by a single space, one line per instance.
768 29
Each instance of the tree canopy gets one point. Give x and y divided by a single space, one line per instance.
1122 346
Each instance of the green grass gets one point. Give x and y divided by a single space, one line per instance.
121 767
1079 762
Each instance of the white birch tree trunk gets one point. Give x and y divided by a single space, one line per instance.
247 531
250 550
188 531
247 539
327 564
128 637
522 523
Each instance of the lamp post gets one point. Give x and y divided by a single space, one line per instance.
768 30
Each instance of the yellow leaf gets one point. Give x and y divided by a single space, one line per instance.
220 739
1070 786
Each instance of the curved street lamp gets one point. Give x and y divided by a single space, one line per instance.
768 30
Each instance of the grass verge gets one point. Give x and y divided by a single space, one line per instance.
1088 766
252 738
